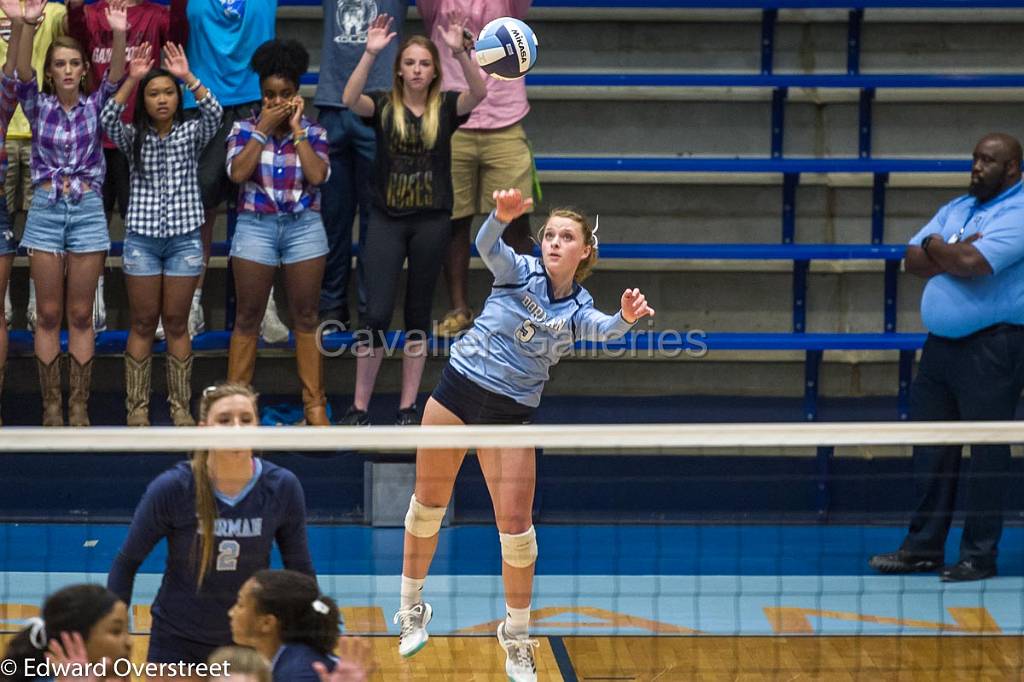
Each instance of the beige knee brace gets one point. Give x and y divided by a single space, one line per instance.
519 551
423 521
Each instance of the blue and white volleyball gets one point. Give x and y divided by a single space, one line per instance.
506 49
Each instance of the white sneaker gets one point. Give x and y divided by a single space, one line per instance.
196 319
412 622
272 329
99 309
160 335
30 309
520 664
8 308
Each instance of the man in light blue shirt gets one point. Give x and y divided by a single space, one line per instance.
972 365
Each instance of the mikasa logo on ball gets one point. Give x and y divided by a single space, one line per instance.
506 48
524 54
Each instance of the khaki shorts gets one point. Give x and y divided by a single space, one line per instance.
486 160
18 183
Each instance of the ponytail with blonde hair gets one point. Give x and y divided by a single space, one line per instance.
206 505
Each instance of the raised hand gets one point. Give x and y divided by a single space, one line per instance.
33 11
298 106
70 653
452 32
117 15
141 62
379 34
355 665
176 62
12 8
634 306
510 204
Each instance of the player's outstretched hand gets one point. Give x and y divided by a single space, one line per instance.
510 204
69 653
634 306
355 664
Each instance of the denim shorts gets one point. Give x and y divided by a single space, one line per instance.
8 244
474 404
78 228
178 256
279 238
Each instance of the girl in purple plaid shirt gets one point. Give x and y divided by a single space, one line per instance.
279 159
66 232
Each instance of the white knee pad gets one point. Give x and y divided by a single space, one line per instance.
519 551
423 521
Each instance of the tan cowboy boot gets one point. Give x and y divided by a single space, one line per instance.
80 380
179 389
242 358
310 364
137 378
49 386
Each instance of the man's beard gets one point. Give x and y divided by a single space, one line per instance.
983 191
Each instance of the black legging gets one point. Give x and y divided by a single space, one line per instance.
423 238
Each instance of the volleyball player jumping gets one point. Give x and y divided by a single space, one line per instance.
495 375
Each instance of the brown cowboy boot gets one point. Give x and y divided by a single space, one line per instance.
137 379
242 357
179 389
310 364
80 379
49 386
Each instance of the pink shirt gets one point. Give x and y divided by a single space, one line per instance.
506 102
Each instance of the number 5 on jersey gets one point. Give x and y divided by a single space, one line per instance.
526 331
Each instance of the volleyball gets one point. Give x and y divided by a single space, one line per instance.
506 48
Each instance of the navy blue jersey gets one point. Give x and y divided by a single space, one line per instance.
272 507
294 663
523 329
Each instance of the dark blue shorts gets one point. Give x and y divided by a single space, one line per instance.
167 647
474 404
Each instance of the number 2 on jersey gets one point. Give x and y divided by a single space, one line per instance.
525 331
227 555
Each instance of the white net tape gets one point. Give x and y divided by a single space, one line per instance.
392 438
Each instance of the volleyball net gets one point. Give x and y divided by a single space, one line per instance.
648 534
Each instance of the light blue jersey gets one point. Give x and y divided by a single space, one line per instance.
523 330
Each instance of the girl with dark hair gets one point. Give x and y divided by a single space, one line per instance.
283 616
66 232
91 612
412 197
221 513
280 159
163 252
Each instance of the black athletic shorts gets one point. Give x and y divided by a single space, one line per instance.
474 404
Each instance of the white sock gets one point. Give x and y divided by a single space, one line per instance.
517 622
412 589
197 294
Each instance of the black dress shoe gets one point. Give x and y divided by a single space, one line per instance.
902 562
965 570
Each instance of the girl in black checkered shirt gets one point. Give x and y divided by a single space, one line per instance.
163 252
